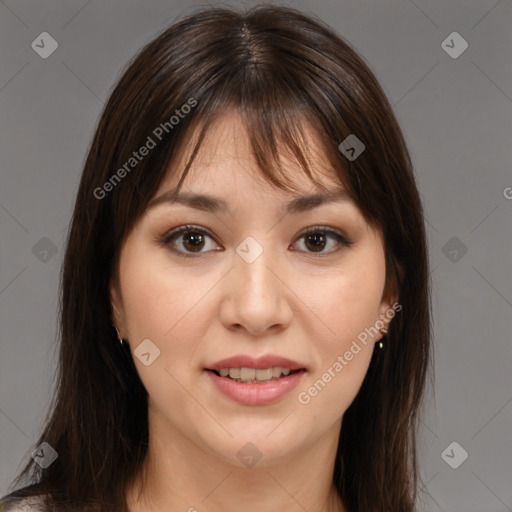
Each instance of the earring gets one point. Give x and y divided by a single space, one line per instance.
384 331
118 335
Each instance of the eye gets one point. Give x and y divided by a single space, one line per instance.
193 239
316 239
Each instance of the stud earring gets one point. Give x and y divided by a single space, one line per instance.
384 331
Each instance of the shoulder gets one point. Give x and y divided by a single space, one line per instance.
11 503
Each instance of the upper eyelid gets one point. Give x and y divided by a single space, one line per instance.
191 227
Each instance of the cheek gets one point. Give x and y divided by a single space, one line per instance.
162 305
347 300
347 303
159 298
153 313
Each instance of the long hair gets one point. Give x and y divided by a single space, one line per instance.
280 69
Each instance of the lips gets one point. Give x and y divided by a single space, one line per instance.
258 363
233 377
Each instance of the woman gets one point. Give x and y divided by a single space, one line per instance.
245 303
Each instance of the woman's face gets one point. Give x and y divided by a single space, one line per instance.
256 287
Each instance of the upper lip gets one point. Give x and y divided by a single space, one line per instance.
246 361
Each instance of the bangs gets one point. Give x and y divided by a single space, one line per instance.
275 136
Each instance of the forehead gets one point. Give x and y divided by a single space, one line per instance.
226 160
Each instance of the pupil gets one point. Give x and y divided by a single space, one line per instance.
197 240
319 240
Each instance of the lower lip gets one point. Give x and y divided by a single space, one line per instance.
256 394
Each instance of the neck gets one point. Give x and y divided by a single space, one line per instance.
180 476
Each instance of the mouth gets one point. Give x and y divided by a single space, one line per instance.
255 386
255 375
252 380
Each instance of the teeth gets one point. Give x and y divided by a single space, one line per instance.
254 375
278 370
246 373
234 373
266 374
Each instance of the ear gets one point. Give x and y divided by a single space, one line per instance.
117 313
389 303
388 306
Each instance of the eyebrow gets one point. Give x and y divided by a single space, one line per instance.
213 204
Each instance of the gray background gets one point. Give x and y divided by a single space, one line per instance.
456 115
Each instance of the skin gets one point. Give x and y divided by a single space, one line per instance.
289 301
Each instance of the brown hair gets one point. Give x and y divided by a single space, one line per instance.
278 68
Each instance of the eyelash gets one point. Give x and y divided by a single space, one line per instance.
167 238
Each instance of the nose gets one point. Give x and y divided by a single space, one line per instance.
256 297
